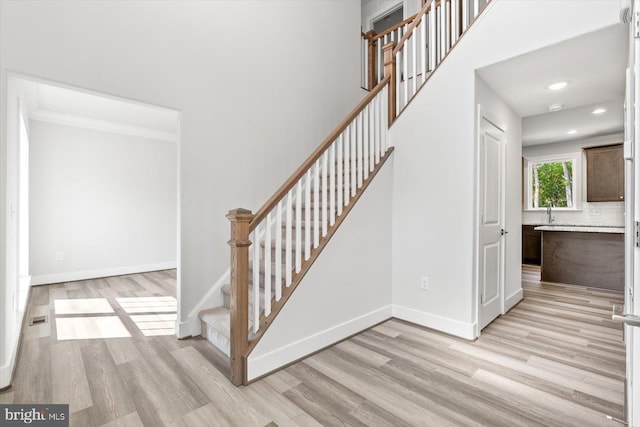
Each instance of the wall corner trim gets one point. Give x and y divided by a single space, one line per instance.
513 299
439 323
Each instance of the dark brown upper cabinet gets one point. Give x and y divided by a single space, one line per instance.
605 174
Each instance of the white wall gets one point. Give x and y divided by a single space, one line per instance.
434 173
106 202
255 99
594 213
12 288
348 289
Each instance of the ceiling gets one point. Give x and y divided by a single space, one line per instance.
594 65
79 108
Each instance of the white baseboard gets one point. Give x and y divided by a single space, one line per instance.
512 300
46 279
263 364
6 370
439 323
184 329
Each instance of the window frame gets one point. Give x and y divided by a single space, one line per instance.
576 158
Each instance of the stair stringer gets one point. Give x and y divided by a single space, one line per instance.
345 291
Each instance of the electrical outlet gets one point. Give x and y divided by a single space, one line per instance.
59 256
424 283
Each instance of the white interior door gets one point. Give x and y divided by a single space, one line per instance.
491 222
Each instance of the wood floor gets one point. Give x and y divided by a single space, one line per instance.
554 360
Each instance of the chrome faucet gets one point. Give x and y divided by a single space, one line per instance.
549 217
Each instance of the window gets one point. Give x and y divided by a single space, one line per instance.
551 181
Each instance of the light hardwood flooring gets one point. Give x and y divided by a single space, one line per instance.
556 359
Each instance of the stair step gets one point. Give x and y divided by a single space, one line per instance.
216 328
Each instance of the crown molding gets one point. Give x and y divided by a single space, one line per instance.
101 125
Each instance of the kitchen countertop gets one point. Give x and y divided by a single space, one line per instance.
582 228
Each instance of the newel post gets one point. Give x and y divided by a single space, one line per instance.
390 70
239 340
371 76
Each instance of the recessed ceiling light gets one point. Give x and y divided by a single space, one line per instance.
554 107
599 111
557 85
572 132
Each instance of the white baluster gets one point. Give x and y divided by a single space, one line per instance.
352 157
372 134
307 216
288 239
405 71
340 160
423 48
278 235
443 30
364 56
365 142
433 43
385 131
299 225
256 279
447 27
465 14
360 142
378 120
414 65
267 266
476 7
379 60
325 195
454 21
332 183
316 204
347 162
398 78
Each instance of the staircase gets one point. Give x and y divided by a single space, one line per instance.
272 250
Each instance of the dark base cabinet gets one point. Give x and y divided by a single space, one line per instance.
588 259
531 245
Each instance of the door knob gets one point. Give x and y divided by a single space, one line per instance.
619 316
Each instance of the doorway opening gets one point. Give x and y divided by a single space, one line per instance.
93 181
388 20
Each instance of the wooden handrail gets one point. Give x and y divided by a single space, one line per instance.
299 173
414 24
392 29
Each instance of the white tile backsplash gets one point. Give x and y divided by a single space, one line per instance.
601 214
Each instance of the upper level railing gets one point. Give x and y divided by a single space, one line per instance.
422 41
432 34
372 60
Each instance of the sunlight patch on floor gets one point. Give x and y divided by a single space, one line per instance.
155 324
84 328
148 304
82 306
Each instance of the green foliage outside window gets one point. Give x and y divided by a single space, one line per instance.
552 182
